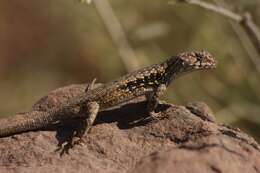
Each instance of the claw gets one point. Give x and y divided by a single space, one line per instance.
69 145
155 116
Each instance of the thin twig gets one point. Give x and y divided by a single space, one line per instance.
214 8
244 20
244 39
252 30
117 33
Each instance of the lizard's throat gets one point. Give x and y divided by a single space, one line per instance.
175 68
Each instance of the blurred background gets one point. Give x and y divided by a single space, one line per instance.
49 44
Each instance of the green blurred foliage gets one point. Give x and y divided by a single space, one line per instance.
48 44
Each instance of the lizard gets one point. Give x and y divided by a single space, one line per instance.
151 82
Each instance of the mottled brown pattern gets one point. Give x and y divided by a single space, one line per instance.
150 81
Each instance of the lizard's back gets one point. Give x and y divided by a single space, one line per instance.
135 84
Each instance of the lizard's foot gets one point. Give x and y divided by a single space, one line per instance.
154 117
81 126
64 148
162 102
75 137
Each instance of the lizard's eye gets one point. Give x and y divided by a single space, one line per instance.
199 60
205 60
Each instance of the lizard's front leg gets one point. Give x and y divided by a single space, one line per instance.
153 100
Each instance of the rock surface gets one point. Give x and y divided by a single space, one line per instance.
122 140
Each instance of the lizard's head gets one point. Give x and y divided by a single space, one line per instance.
187 62
198 60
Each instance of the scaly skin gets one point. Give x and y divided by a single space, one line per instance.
150 81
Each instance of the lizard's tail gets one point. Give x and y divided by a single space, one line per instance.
23 122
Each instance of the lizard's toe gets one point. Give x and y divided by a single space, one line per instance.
77 141
64 148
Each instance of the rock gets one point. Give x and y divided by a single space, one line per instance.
124 139
202 110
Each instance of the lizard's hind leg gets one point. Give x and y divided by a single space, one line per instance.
90 110
80 127
84 124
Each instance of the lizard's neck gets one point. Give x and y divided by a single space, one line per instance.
174 68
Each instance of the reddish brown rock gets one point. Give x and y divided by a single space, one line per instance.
122 141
